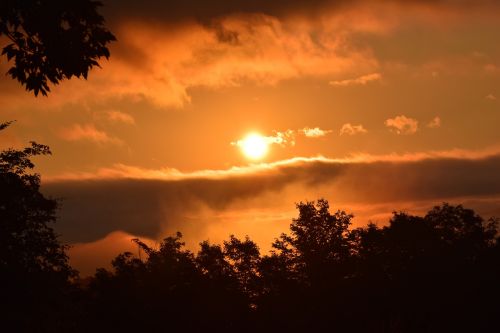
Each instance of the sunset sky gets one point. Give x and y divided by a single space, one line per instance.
374 105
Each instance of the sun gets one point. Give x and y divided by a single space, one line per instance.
254 146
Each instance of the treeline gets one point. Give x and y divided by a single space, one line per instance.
434 273
437 273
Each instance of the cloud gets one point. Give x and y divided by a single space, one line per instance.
150 202
160 62
203 11
87 132
288 137
166 49
285 138
352 129
402 125
118 116
122 171
362 80
491 97
86 257
434 123
315 132
175 11
229 52
491 68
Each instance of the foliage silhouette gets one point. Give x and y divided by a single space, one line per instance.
34 269
434 273
192 293
52 40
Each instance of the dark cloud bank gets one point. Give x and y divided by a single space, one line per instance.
170 11
92 209
203 10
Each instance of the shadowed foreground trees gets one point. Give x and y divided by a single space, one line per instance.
173 290
434 273
34 268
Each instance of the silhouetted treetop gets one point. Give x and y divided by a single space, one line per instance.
27 241
212 262
317 237
456 224
52 40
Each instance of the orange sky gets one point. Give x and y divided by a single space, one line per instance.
375 105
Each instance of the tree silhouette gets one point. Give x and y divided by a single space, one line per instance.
243 258
170 286
34 269
433 273
307 268
318 240
52 40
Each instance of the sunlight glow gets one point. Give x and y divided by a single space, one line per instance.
254 146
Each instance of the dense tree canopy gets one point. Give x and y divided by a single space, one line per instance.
434 273
52 40
34 269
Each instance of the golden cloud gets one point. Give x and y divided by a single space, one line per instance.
362 80
122 171
350 129
87 132
315 132
402 125
122 117
434 123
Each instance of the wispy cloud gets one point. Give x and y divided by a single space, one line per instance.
402 125
492 68
284 138
434 123
350 129
288 137
123 171
87 132
315 132
491 97
362 80
118 116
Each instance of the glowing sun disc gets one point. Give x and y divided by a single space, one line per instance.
254 146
